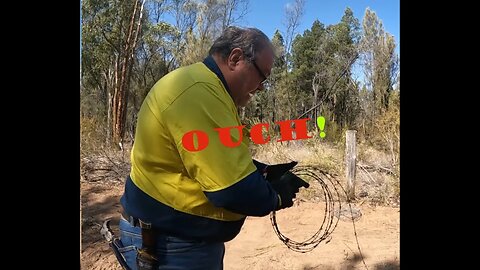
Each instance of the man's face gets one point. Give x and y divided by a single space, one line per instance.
253 75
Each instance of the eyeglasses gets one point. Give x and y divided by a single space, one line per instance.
260 72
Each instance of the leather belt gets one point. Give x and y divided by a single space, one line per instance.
146 258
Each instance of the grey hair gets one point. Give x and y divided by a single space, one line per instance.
249 40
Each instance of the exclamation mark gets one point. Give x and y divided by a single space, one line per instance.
321 125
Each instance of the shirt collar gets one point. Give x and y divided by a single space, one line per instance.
210 63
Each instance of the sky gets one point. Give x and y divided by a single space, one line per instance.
268 15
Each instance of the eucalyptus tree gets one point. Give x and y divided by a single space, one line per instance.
379 61
110 30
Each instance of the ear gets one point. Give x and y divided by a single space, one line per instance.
236 55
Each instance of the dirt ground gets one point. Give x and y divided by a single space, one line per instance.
257 247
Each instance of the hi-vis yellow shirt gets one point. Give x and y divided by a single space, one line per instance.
189 98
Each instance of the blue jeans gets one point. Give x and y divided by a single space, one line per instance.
172 253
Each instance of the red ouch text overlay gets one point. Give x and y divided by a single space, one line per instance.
287 133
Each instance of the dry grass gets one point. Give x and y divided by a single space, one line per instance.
92 136
377 179
371 156
105 167
378 175
97 161
311 151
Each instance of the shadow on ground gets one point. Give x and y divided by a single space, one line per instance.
356 263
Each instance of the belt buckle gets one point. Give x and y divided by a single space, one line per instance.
144 225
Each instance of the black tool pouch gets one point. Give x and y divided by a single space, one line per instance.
146 259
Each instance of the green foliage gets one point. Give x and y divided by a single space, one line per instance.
379 61
105 28
104 25
314 80
321 75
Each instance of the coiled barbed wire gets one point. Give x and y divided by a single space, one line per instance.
332 197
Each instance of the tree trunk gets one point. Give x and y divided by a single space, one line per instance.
315 87
123 69
350 163
109 118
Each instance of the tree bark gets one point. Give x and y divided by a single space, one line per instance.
350 163
123 69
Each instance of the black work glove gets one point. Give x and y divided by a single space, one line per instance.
285 192
287 187
273 172
295 182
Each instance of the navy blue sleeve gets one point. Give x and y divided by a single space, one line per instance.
260 166
251 196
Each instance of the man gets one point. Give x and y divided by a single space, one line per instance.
180 206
